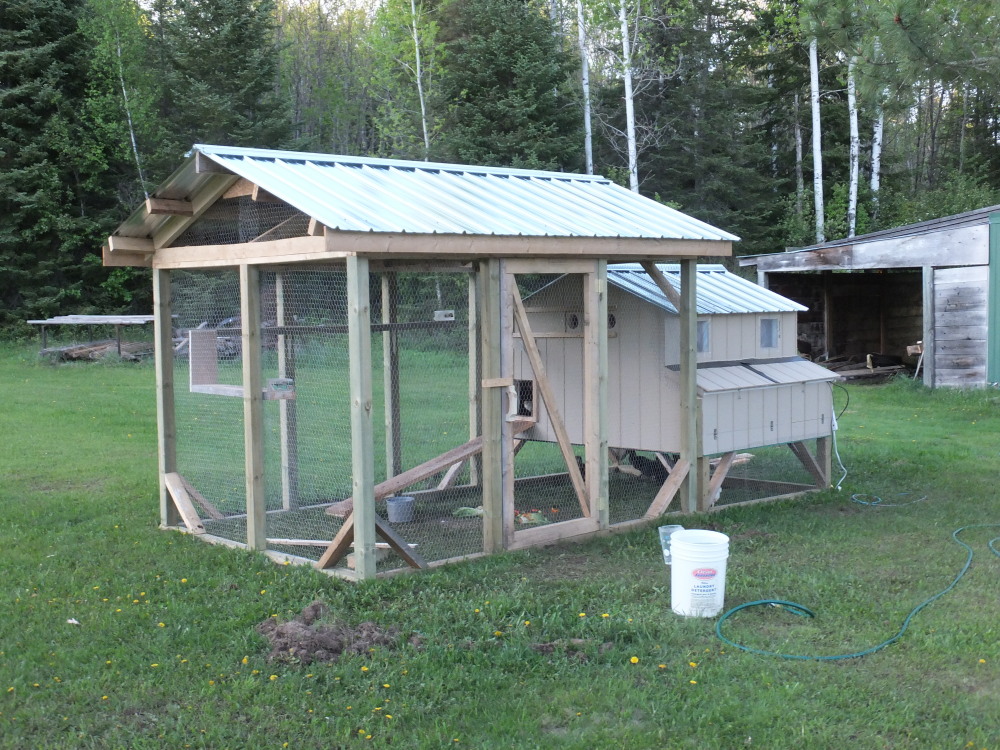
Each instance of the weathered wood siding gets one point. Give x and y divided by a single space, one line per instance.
960 326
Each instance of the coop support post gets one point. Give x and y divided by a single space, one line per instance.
490 287
824 459
166 425
595 386
475 361
359 336
288 416
253 407
390 374
690 438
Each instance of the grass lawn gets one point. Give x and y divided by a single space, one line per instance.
117 635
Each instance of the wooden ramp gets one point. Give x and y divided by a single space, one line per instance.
436 465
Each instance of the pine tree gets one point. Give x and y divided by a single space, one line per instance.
49 236
220 67
507 85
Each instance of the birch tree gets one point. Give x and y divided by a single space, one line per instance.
817 141
588 138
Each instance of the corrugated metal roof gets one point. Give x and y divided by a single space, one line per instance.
720 292
712 379
382 195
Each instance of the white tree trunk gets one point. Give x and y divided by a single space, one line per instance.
800 183
588 138
877 132
128 115
420 80
633 156
816 139
855 153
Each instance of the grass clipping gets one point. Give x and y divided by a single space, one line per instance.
305 639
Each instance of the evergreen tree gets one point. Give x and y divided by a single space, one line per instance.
507 85
49 236
220 67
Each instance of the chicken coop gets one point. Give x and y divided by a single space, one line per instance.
355 359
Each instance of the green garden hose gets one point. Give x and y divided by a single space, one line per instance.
798 609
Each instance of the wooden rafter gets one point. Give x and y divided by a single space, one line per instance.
812 466
669 489
345 538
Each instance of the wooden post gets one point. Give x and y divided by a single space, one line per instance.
490 281
166 424
288 415
824 459
253 407
930 371
690 422
475 367
595 388
992 304
359 335
390 375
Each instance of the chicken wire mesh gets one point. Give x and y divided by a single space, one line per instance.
424 405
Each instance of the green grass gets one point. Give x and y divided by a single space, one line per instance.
79 540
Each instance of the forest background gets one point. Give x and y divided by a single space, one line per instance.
784 122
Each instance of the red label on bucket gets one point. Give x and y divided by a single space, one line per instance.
704 573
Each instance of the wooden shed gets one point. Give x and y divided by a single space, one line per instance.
293 256
934 283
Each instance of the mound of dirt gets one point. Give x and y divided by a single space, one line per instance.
305 639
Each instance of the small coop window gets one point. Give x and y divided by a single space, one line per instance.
769 333
704 336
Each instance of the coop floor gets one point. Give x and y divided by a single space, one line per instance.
448 524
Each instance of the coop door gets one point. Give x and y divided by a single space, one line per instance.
553 463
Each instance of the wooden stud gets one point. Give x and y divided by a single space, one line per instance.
549 397
475 362
666 493
182 501
338 547
204 165
362 440
390 375
166 418
489 295
399 545
174 226
690 422
120 259
316 229
664 284
287 409
164 207
253 407
713 488
261 195
203 502
595 388
118 244
812 466
824 458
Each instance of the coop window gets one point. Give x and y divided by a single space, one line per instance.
704 336
769 331
525 397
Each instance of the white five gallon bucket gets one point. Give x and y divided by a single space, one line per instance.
698 572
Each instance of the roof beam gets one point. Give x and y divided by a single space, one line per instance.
204 165
673 297
165 207
117 244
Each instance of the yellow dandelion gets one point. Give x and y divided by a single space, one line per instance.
364 669
583 614
184 580
634 660
386 684
498 633
244 660
982 661
104 697
476 611
263 591
211 682
662 666
605 615
10 690
388 716
160 625
693 682
692 664
527 623
273 677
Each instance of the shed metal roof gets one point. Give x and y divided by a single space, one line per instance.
720 292
360 194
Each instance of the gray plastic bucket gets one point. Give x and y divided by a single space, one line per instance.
400 509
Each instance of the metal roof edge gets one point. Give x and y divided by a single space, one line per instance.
220 152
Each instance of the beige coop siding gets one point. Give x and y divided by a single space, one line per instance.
960 325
